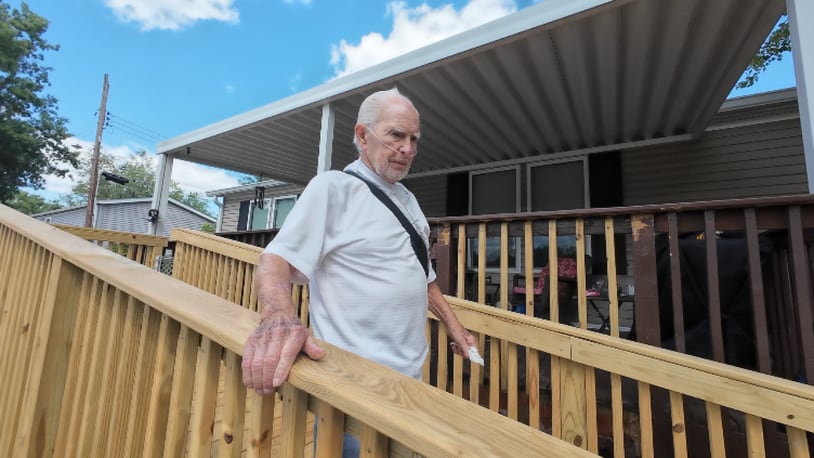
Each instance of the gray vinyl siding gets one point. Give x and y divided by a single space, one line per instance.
71 217
180 217
132 217
431 193
129 217
749 161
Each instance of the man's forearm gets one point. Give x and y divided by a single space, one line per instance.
273 286
441 308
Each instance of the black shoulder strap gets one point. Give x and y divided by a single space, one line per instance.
415 240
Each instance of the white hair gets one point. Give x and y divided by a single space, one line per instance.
371 108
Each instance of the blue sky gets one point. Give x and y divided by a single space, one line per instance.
178 65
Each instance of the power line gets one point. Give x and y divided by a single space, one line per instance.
116 120
134 133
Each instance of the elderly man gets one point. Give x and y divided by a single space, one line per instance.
369 291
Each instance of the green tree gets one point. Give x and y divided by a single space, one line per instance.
32 134
195 200
139 170
31 204
776 45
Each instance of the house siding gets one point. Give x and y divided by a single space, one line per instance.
180 217
130 217
231 210
431 193
72 217
127 217
748 161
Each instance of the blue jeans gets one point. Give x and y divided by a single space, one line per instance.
350 446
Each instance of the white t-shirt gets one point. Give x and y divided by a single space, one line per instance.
367 288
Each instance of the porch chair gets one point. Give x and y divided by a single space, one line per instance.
566 284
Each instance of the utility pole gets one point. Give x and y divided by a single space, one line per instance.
94 163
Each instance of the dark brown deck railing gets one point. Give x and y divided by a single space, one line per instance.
726 280
259 238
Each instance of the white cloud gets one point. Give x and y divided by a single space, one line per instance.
172 14
191 177
414 28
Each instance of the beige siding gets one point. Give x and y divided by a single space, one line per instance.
749 161
231 205
431 193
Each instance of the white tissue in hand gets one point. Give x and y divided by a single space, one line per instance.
474 356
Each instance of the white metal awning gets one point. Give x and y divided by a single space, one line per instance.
560 76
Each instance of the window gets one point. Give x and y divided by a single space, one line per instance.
282 207
557 185
273 213
494 191
259 215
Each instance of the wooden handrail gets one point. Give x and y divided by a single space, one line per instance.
141 248
579 351
210 242
791 402
429 421
89 233
362 390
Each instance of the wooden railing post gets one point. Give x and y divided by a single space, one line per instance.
573 403
648 324
444 255
45 380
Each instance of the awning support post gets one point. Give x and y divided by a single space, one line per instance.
326 139
802 45
161 194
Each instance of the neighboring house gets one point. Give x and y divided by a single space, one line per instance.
255 206
130 215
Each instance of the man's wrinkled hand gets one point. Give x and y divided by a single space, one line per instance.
461 343
271 350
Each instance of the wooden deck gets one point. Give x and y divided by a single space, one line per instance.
100 353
